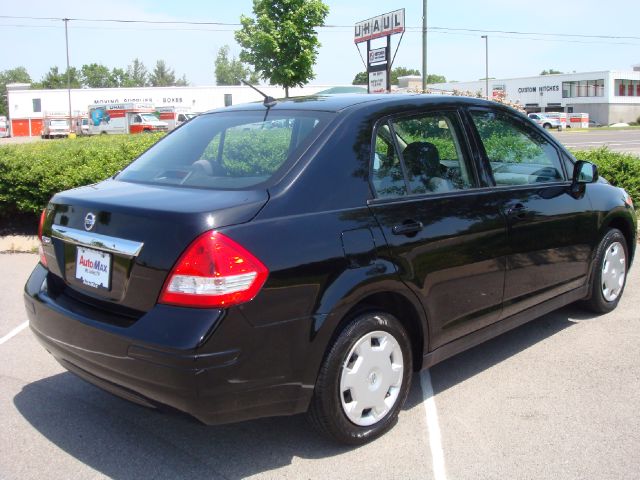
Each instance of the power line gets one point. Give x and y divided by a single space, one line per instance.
433 28
228 30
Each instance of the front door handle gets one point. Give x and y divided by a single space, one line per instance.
408 227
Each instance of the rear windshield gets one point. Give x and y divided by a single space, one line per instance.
228 150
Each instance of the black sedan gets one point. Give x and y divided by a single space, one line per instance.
310 255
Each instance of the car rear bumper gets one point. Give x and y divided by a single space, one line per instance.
164 358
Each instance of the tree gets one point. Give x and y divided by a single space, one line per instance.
162 75
230 71
433 78
362 78
551 71
56 79
119 78
14 75
137 74
281 42
182 82
96 76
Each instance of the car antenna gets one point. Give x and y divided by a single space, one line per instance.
268 101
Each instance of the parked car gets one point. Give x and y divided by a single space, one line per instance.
235 272
545 121
593 123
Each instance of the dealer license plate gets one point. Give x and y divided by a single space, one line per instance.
93 268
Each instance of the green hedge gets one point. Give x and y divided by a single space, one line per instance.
621 169
31 173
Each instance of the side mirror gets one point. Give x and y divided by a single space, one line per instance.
583 173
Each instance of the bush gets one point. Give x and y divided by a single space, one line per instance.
620 169
30 174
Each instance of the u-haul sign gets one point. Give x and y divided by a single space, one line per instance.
380 26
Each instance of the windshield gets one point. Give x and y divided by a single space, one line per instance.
149 117
58 123
228 150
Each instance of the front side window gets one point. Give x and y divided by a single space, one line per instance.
518 155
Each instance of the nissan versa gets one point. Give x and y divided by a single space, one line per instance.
309 255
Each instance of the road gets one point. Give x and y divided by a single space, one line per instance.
556 398
626 141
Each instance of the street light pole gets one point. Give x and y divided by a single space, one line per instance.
424 45
486 65
66 40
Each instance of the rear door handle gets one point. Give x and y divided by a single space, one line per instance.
517 211
407 227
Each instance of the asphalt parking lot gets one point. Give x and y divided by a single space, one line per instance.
556 398
626 141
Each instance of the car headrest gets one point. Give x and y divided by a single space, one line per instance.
422 158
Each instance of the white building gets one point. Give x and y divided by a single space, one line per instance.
608 96
27 107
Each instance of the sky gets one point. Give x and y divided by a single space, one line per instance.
458 55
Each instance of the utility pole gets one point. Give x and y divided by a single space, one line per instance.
486 65
424 45
66 40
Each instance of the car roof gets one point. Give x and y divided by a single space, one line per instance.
339 102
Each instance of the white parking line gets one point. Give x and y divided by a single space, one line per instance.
14 332
435 439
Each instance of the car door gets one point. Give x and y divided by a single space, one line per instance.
550 229
444 230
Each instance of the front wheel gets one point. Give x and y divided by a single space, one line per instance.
546 126
609 273
364 380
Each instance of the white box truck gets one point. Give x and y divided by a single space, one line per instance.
124 118
174 116
55 125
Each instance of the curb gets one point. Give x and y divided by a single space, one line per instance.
19 243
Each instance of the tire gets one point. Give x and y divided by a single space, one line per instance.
380 379
546 126
609 273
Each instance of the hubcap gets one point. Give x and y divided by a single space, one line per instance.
371 378
613 271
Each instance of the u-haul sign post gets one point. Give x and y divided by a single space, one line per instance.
378 60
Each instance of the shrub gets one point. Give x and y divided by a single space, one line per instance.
30 174
620 169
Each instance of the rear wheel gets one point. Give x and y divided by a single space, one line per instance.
609 273
364 380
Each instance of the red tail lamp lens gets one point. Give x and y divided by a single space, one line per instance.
43 258
214 272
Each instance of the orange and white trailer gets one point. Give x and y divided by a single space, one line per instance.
124 118
174 116
578 120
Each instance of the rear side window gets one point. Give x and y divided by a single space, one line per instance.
518 154
420 154
228 150
388 179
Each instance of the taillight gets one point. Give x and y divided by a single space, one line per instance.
214 272
43 258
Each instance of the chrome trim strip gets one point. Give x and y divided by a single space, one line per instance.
120 246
